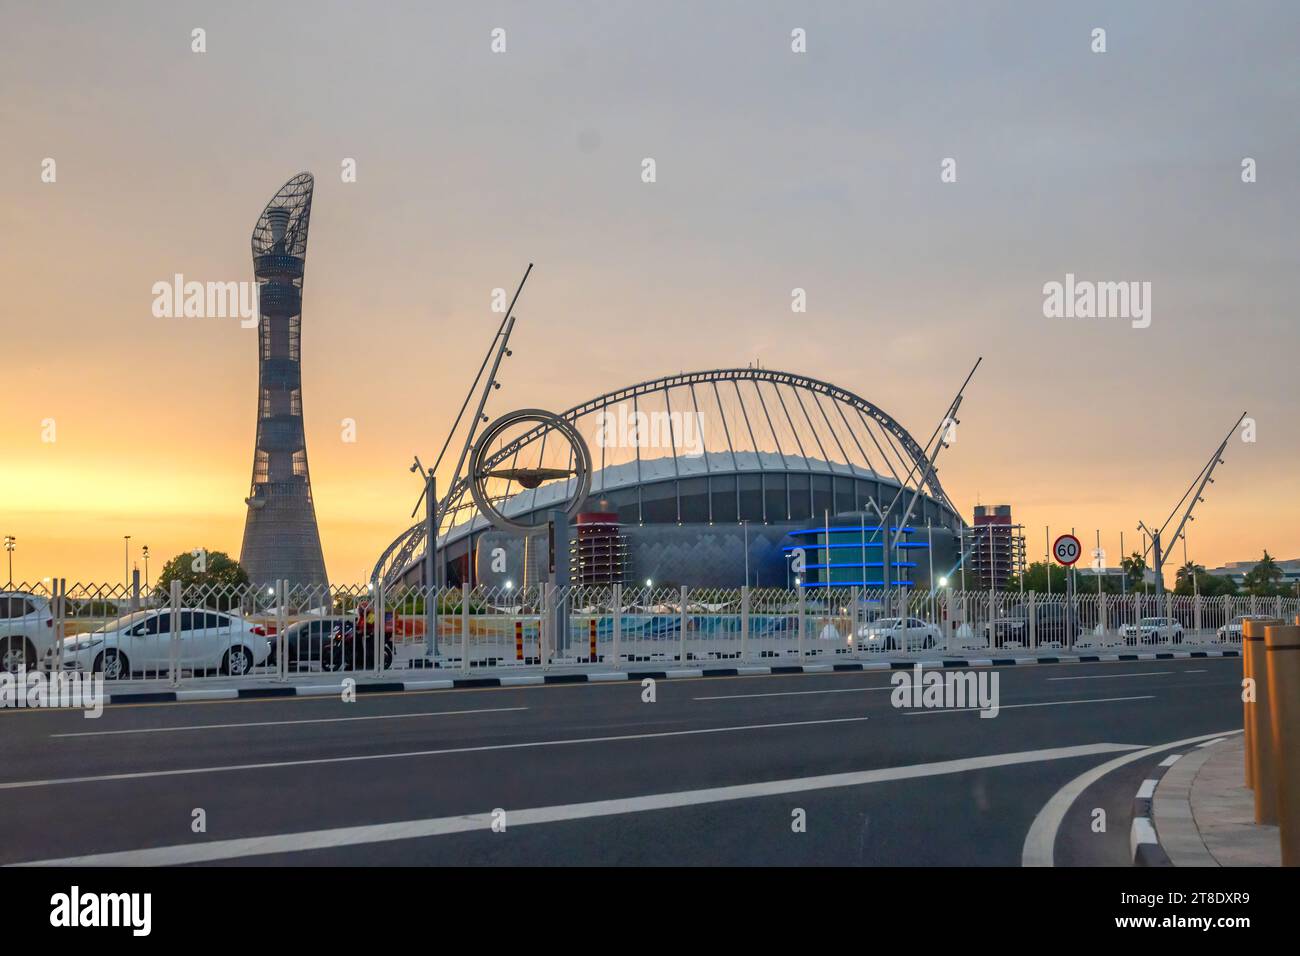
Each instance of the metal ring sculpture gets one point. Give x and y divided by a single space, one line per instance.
481 466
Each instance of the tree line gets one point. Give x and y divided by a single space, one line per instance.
1265 579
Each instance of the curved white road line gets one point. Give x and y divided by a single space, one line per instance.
1040 842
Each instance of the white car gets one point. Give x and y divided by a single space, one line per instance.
892 633
209 640
1153 630
26 630
1231 632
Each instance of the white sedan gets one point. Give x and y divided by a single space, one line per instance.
26 630
208 640
891 633
1153 630
1231 632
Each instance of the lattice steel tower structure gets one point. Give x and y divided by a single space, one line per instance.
281 540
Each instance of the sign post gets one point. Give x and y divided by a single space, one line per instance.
1067 550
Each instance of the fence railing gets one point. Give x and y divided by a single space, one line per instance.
275 631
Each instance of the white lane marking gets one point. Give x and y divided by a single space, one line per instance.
1170 760
286 723
1046 703
1113 676
1210 743
440 826
484 748
1040 841
1147 790
1139 674
795 693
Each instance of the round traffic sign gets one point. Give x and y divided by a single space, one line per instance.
1066 549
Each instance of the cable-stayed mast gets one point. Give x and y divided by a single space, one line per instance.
1158 547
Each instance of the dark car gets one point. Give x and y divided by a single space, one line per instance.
351 644
304 640
1053 624
1057 624
1007 630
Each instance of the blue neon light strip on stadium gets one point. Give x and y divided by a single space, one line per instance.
836 529
849 584
855 547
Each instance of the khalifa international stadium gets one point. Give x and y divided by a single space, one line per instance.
750 466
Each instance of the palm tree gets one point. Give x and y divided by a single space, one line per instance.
1265 577
1188 577
1135 567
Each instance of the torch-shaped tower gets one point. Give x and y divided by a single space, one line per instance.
281 540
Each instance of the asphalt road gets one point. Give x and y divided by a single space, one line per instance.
714 771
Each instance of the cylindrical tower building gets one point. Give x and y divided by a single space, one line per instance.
281 540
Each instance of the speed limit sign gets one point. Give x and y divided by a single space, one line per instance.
1066 549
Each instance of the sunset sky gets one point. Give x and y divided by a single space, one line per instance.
775 170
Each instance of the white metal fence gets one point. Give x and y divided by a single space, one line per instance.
275 631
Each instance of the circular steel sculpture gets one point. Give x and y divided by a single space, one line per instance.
484 466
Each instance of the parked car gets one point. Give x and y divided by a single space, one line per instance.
1054 625
209 640
1012 630
303 641
26 630
352 643
1153 630
1232 631
892 633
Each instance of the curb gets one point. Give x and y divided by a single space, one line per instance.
1144 840
600 677
1143 843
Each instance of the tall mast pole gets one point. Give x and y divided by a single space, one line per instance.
501 341
1204 477
949 416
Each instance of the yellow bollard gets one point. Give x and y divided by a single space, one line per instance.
1259 739
1251 632
1282 664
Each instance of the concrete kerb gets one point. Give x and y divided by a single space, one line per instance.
392 683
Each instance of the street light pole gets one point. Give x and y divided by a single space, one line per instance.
430 498
745 524
126 560
10 544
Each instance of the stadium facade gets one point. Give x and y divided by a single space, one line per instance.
281 540
750 467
